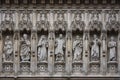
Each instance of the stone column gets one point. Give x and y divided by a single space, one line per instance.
33 68
68 54
118 50
51 42
86 50
16 44
1 46
118 46
103 52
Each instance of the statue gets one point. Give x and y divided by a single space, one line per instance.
42 48
95 48
112 23
77 48
60 23
95 23
112 49
25 23
25 48
59 48
8 49
43 23
8 22
78 23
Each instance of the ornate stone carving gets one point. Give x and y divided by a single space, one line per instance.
77 23
43 23
42 67
25 48
112 49
60 23
95 23
112 23
8 49
59 48
8 67
42 48
95 48
25 67
8 21
26 22
77 48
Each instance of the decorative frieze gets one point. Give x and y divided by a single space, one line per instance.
59 41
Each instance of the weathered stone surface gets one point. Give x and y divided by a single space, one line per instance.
71 43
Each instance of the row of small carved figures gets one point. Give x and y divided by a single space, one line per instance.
61 25
59 48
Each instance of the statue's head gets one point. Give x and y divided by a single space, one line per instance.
112 17
94 36
43 37
112 38
78 17
60 36
96 17
24 17
7 37
25 36
60 17
7 16
43 17
77 37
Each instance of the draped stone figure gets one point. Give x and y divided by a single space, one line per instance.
59 48
95 48
112 49
25 48
8 49
42 48
77 48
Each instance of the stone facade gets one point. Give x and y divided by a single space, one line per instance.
59 43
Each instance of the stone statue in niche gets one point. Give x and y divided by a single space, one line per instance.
59 48
8 49
78 23
60 23
95 48
42 48
25 23
25 48
95 23
8 21
43 23
112 49
77 48
112 23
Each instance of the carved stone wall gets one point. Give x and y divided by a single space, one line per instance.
55 43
